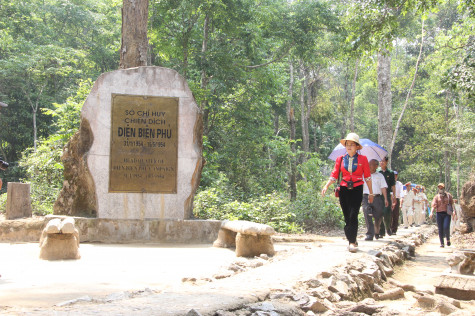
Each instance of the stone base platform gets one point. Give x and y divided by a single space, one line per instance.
457 286
117 230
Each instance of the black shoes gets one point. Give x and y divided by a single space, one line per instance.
448 243
368 238
377 236
442 246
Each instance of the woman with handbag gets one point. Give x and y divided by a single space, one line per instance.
353 167
443 204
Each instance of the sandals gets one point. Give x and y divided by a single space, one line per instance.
353 248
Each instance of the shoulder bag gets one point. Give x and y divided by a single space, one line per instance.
450 209
337 189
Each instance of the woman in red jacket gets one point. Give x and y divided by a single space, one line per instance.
354 167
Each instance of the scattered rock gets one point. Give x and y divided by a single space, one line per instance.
392 294
405 287
264 306
282 296
193 312
77 300
375 252
318 305
378 288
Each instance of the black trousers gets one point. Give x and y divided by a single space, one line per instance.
350 202
395 217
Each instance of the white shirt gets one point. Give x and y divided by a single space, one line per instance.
377 182
399 189
408 197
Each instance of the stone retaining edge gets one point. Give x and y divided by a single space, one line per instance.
117 230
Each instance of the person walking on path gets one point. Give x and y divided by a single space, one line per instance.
418 205
420 208
380 200
396 204
391 182
407 206
440 205
354 168
456 216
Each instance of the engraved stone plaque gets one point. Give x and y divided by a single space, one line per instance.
144 144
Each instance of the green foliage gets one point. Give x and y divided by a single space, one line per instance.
309 212
67 115
45 48
43 167
271 209
44 173
3 203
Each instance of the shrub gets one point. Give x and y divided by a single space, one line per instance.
271 209
3 203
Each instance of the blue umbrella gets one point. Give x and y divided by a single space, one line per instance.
370 149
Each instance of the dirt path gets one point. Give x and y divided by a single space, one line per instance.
146 280
423 273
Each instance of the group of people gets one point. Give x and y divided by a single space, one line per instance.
373 186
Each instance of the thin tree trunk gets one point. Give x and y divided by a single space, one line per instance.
352 109
398 124
446 147
308 105
315 145
134 47
276 122
204 77
35 135
303 111
34 110
457 148
291 121
186 43
344 125
384 99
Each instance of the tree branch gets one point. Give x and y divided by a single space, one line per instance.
269 62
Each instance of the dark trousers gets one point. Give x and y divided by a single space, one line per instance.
350 202
443 223
387 218
395 217
373 210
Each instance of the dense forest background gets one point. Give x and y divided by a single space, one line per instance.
279 83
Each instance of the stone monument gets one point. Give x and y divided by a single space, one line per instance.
18 200
138 154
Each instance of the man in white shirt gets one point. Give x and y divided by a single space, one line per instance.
456 216
420 206
396 204
375 209
407 206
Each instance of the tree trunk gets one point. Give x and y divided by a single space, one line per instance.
446 146
393 141
276 123
204 77
315 144
34 110
303 111
35 133
352 109
291 121
134 47
384 100
186 43
457 119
